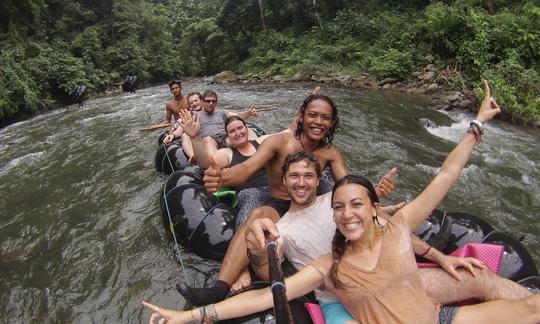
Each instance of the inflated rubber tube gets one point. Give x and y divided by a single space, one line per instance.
174 159
180 178
158 159
449 231
200 222
533 283
429 229
516 263
161 138
462 228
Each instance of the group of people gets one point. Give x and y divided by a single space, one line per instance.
356 254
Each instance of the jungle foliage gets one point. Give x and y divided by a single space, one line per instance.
48 46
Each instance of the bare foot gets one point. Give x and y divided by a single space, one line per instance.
244 281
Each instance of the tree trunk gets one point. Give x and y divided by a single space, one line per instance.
261 10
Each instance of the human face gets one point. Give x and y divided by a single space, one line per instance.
301 183
209 104
195 103
317 119
176 90
237 133
353 211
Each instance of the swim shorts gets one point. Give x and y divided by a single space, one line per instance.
334 312
279 205
447 314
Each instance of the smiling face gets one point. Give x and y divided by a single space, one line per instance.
301 182
237 133
194 102
317 120
353 211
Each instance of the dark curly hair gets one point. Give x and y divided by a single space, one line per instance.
339 241
300 124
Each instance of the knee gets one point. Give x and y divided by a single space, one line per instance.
255 214
207 140
531 306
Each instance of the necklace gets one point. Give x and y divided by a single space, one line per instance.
302 144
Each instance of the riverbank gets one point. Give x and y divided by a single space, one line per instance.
426 81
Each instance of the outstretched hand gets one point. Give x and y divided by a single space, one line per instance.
386 184
450 264
488 107
252 111
212 176
165 316
190 124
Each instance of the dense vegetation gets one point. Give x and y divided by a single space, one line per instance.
48 46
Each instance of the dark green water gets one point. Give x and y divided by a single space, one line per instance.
80 228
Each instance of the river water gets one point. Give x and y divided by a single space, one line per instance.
80 228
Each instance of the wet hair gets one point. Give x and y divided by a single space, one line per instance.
339 241
232 118
299 156
175 81
191 94
300 124
209 93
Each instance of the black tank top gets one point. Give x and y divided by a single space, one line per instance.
258 179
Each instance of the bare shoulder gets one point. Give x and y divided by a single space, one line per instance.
328 152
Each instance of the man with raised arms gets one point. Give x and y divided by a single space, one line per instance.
317 122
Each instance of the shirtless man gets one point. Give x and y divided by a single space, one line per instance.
317 122
176 104
306 231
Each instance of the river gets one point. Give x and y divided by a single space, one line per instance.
80 227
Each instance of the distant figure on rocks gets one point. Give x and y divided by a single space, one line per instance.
77 94
129 83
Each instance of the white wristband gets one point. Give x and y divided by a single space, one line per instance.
479 125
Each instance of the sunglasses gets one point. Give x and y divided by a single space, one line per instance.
210 100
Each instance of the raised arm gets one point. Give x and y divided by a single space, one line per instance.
417 210
246 114
337 164
242 304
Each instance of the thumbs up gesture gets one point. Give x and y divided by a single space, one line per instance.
212 176
386 184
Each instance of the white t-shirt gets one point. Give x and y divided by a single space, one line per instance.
307 234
